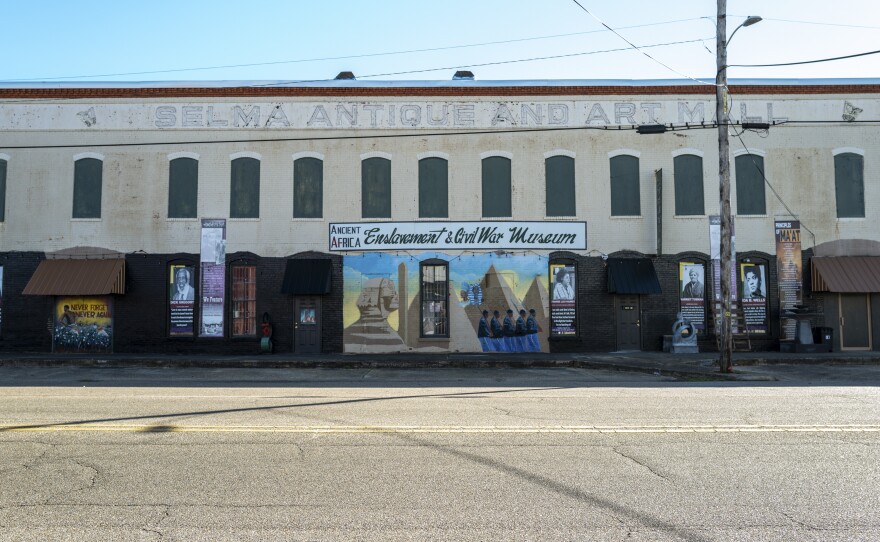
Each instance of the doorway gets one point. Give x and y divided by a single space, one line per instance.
855 321
629 335
307 325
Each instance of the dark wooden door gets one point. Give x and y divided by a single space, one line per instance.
307 325
855 322
628 323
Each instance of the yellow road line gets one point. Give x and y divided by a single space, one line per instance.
169 428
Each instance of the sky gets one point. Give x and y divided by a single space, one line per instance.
416 40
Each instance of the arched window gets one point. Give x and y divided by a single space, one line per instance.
496 187
433 188
849 184
87 181
750 197
244 193
376 188
625 193
308 188
688 173
559 179
183 187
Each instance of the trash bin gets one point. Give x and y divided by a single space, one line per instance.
823 336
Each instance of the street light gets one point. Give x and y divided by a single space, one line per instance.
721 42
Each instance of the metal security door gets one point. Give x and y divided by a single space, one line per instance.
628 323
307 325
855 321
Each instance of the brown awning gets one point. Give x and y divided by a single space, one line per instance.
846 274
77 277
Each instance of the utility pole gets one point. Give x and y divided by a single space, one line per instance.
726 343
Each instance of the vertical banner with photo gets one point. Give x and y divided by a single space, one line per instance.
692 301
789 268
83 324
1 297
182 300
753 278
563 302
715 256
213 277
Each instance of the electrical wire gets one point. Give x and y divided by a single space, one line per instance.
608 128
344 57
803 62
639 49
497 63
772 189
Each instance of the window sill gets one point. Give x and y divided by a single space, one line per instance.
86 219
627 217
690 217
244 219
434 338
566 218
850 218
180 219
377 219
738 216
303 219
495 218
432 219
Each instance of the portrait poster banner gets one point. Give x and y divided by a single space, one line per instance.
753 278
83 324
182 300
563 300
715 256
789 269
692 299
213 277
1 297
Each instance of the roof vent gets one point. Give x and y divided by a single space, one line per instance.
346 75
463 75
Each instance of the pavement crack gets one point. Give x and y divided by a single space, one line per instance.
641 464
92 480
790 518
154 527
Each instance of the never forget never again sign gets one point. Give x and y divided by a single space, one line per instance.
360 236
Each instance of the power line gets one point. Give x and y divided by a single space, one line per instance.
344 57
803 62
819 23
415 134
772 189
639 49
479 65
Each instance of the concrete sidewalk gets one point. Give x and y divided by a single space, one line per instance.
747 365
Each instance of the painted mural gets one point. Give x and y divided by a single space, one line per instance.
487 303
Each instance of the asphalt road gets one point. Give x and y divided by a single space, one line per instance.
455 454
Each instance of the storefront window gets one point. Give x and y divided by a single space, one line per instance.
435 299
244 300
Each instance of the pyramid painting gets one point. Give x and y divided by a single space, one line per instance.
385 309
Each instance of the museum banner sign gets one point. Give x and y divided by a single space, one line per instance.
483 235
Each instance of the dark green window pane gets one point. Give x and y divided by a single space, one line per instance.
87 188
496 187
2 190
688 185
433 188
849 185
183 188
559 174
750 198
376 188
308 188
625 195
245 190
